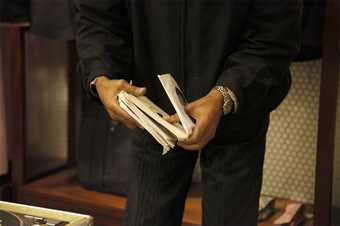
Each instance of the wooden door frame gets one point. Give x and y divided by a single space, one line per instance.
327 117
14 77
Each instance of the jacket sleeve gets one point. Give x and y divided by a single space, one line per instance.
258 71
102 39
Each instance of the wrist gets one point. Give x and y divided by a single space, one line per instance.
217 97
100 80
95 83
227 101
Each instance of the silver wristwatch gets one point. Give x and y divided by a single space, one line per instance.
228 102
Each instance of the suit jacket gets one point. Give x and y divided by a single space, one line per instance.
245 45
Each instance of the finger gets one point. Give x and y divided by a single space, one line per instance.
123 118
131 126
198 133
115 119
121 115
124 115
209 135
195 147
128 124
134 90
173 119
190 109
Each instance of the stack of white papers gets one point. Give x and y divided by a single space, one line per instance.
151 117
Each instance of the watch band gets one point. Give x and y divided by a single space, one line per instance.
228 102
93 89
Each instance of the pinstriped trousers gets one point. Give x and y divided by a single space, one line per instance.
231 178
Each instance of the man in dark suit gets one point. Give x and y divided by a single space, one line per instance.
232 60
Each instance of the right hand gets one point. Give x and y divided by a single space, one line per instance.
108 90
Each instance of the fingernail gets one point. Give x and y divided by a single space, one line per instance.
142 90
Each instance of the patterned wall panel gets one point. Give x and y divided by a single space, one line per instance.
289 167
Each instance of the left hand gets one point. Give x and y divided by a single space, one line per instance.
207 112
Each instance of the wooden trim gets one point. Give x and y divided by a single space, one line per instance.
327 117
61 191
3 125
17 25
13 56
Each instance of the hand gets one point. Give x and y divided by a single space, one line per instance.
207 112
108 90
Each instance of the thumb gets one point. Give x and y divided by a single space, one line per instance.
190 107
172 119
134 90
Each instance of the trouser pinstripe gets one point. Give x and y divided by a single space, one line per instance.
231 180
